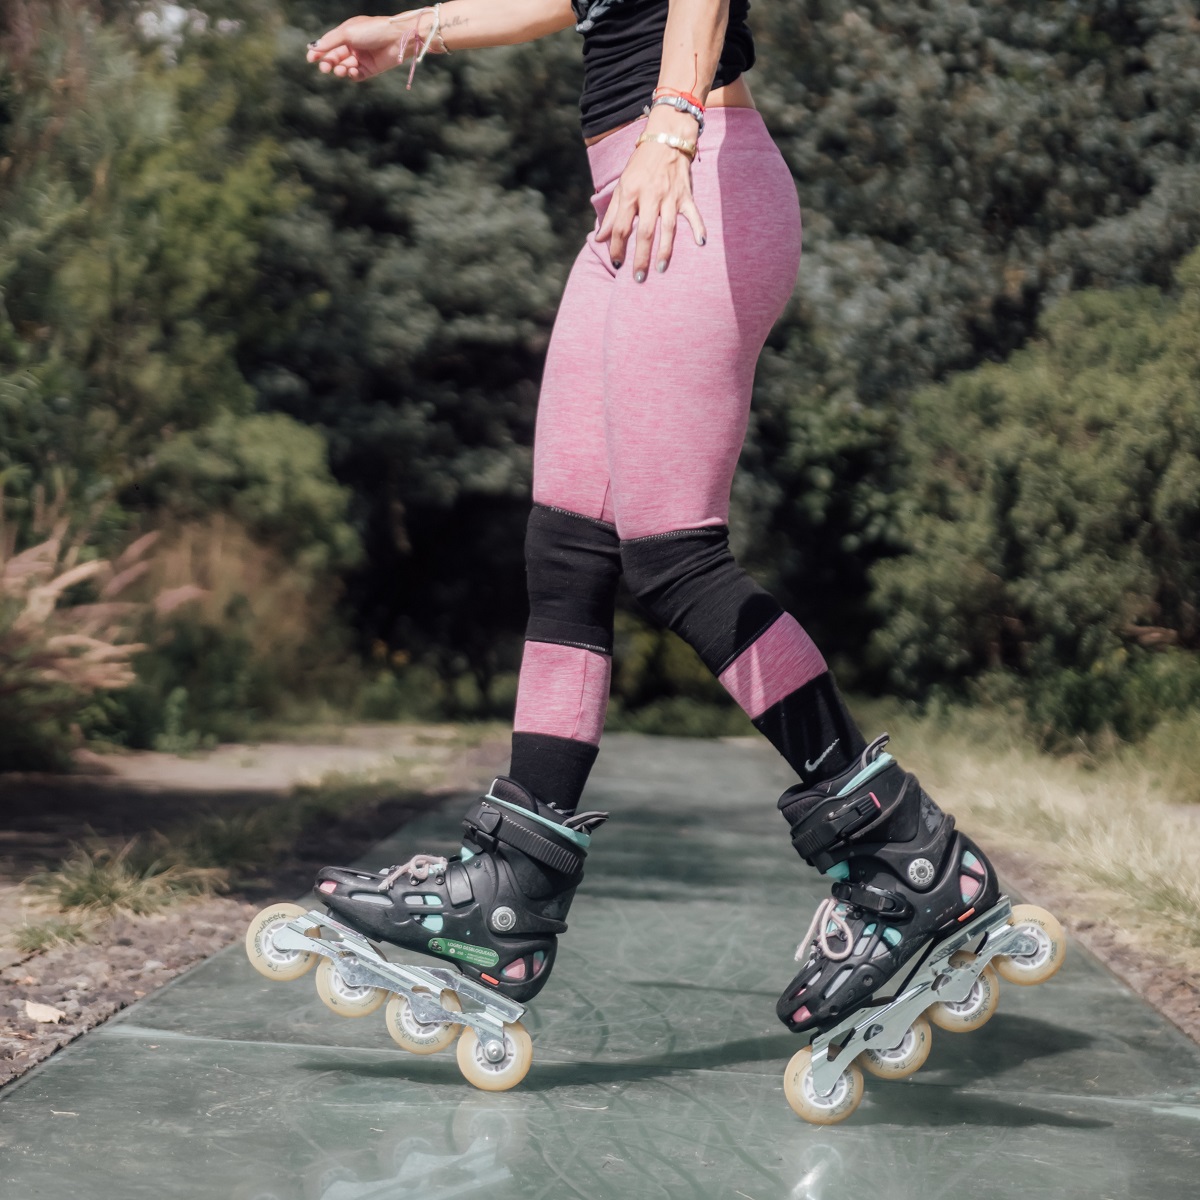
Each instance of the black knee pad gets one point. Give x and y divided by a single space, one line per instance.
572 565
689 580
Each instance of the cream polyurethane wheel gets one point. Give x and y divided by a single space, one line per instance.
415 1036
343 998
500 1076
802 1095
962 1016
903 1060
1028 969
265 957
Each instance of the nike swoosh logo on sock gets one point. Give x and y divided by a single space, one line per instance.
812 766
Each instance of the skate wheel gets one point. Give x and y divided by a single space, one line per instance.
500 1076
1028 969
343 998
265 957
415 1036
903 1060
962 1016
798 1087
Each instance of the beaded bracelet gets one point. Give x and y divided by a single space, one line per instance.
685 147
680 105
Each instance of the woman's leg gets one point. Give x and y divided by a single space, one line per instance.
679 359
572 556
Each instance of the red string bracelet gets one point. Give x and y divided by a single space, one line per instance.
669 91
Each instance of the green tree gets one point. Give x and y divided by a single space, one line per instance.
1052 517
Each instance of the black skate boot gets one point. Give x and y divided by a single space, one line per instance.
915 933
902 876
496 910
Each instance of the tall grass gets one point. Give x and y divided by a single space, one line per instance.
65 630
1116 824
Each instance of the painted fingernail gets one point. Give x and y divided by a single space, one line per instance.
617 263
312 45
661 266
640 277
704 241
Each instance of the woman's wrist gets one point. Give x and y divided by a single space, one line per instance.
663 119
419 28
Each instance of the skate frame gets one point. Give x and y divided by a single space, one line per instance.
926 979
361 965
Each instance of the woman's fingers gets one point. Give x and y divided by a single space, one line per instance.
615 228
691 214
328 59
666 236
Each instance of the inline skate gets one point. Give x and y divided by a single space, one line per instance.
915 931
494 911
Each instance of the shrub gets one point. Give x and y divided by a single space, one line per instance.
1052 517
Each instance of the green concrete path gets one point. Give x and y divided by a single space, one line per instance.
658 1060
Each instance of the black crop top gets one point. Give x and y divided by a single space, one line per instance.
622 56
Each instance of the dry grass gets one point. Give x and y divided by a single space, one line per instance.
1120 827
100 881
45 639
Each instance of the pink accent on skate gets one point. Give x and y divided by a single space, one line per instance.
801 1014
327 887
646 390
774 665
514 970
969 886
563 692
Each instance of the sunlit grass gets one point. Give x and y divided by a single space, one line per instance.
1119 825
31 939
103 881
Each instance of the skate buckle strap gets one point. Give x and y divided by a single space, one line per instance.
874 899
487 826
823 829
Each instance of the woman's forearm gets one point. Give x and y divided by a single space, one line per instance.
477 24
692 44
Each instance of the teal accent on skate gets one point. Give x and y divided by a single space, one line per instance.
892 936
582 840
433 901
433 924
838 871
867 773
465 854
969 860
657 1056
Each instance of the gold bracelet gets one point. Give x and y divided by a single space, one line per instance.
684 146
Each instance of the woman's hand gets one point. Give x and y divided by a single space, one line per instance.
363 46
656 188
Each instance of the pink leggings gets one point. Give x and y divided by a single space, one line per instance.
646 396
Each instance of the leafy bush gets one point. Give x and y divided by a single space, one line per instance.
1052 517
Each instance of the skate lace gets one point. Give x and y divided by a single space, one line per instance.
418 867
818 933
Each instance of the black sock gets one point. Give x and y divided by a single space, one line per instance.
554 769
813 730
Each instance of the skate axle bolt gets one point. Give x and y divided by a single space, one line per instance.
503 919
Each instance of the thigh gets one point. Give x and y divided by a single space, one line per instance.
681 348
570 468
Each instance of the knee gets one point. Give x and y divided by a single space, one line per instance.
688 579
572 565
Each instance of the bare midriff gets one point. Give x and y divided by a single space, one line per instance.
732 95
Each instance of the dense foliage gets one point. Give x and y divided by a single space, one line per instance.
304 321
1053 515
